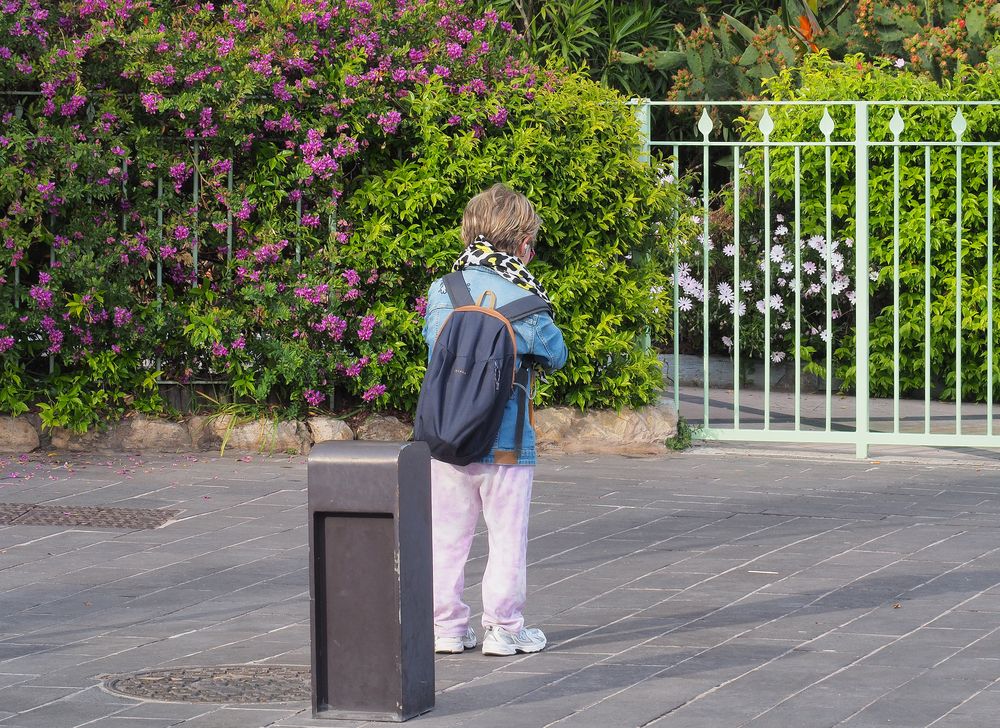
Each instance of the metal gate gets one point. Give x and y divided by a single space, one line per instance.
842 283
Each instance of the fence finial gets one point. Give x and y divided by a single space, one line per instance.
959 125
826 124
896 125
766 124
705 124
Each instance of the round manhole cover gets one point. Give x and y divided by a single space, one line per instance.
222 684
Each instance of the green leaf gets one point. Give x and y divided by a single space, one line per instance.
750 56
748 35
975 24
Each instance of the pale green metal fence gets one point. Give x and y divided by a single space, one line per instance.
750 179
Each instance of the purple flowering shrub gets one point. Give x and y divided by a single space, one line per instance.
213 192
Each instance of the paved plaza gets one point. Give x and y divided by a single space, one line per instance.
714 588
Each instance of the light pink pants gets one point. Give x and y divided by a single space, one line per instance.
458 494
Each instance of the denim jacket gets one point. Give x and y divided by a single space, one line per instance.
537 336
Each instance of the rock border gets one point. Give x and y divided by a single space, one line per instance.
558 429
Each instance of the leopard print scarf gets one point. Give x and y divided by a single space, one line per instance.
508 267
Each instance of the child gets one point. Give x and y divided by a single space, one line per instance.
499 228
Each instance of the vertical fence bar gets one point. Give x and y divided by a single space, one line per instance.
643 112
194 232
159 232
677 316
159 253
798 288
958 127
124 194
298 223
229 213
989 291
895 277
52 262
827 153
52 229
18 112
861 268
705 126
767 126
736 288
927 290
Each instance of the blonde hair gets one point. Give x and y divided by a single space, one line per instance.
502 216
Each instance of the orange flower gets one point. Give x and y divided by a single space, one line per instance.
806 29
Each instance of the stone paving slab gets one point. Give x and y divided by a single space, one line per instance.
722 587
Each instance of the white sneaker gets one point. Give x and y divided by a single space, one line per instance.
456 645
501 643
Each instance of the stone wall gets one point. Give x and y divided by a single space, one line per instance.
558 429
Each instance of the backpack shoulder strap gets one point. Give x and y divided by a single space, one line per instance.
522 383
523 307
458 290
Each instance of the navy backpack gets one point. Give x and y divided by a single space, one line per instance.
471 376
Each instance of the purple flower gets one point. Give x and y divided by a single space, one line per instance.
270 252
334 326
499 118
42 296
246 209
367 328
151 102
280 90
164 77
390 121
225 45
54 334
313 295
386 356
179 174
73 105
313 397
218 349
6 344
122 317
373 393
205 118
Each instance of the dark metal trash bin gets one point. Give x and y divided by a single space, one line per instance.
371 604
